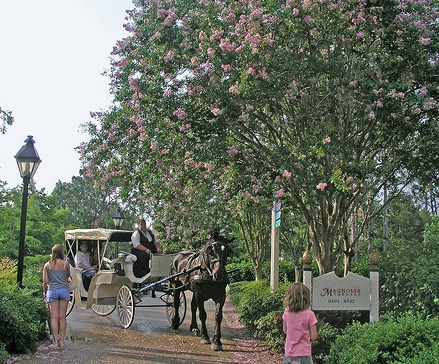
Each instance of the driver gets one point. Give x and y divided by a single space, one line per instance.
144 243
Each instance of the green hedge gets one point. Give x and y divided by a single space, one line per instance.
407 339
23 313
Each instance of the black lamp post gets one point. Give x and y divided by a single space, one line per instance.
28 162
118 219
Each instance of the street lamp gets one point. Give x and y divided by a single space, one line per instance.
28 162
118 219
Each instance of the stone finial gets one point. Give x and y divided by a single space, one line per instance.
307 259
374 260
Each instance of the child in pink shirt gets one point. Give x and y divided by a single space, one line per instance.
300 325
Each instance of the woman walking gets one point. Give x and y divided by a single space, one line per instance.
56 273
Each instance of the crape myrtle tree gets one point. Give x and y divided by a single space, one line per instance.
320 103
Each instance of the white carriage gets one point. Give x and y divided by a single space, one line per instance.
115 287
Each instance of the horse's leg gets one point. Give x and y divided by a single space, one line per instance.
176 318
216 341
194 327
203 316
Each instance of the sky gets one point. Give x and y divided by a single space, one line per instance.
52 56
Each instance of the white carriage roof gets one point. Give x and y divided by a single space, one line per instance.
98 234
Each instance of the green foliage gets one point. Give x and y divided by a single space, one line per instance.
409 279
8 271
394 341
23 313
270 329
254 300
3 352
245 271
326 336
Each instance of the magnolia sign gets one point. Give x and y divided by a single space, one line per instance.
330 292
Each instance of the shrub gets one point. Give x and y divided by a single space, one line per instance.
270 329
256 301
408 274
23 313
3 352
397 340
243 271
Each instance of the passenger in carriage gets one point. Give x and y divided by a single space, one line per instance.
143 243
83 262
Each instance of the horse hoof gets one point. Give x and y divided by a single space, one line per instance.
205 341
196 332
216 347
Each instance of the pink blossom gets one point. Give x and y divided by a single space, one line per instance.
169 56
353 83
327 140
251 71
154 145
233 150
185 127
159 163
234 89
162 13
360 35
165 151
321 186
209 166
287 174
263 73
180 113
296 11
277 179
216 111
226 46
280 193
226 67
210 52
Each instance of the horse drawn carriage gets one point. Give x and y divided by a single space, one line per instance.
115 287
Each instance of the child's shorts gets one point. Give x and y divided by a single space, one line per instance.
58 294
297 360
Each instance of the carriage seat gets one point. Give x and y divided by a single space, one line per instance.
118 264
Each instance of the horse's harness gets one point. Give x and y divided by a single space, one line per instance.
202 261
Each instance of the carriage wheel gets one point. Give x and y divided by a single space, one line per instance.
71 303
102 310
170 310
125 306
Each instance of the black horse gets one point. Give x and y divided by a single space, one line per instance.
205 275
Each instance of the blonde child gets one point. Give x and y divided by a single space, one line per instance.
300 325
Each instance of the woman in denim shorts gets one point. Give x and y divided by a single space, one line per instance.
56 273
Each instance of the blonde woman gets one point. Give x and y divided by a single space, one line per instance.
56 273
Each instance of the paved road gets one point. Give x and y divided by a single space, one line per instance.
150 339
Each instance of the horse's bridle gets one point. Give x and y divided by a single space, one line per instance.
211 262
